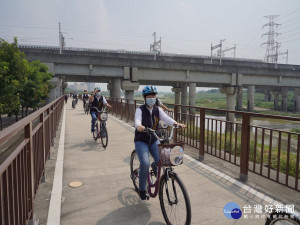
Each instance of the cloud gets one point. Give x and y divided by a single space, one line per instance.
185 5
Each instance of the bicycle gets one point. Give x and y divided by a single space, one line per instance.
73 103
283 217
102 131
87 108
173 196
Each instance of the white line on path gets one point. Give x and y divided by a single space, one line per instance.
226 177
55 202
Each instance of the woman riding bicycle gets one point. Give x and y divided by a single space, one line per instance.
98 101
148 115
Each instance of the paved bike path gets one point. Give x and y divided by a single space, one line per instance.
107 195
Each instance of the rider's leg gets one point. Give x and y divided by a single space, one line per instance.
94 118
142 150
153 148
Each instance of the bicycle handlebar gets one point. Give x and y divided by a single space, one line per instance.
149 130
103 110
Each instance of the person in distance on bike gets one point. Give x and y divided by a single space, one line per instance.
160 104
148 115
85 97
96 100
66 98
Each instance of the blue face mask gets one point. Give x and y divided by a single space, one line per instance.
150 101
98 94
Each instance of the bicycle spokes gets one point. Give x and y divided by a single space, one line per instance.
174 200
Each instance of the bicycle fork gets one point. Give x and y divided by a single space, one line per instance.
167 178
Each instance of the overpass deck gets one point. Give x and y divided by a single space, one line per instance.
107 195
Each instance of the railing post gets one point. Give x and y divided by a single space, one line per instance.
128 108
244 160
121 100
175 118
42 120
202 134
30 166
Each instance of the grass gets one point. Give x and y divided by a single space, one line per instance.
236 150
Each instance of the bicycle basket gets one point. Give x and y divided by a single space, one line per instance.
103 116
171 154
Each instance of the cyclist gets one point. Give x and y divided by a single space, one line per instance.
96 100
148 115
160 104
66 98
85 97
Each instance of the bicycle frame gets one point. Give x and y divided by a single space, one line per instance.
159 167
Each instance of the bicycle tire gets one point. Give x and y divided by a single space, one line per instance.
165 188
134 170
95 133
277 218
104 136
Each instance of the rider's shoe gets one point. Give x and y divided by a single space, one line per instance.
154 169
143 195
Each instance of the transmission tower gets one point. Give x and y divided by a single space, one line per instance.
62 42
272 45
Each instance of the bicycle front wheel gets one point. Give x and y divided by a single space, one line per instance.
134 170
282 218
174 200
104 136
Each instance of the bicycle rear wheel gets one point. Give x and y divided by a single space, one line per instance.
134 170
104 136
282 218
174 200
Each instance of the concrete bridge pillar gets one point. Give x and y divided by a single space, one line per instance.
183 99
250 97
276 97
129 88
64 86
192 97
239 102
177 91
56 91
297 100
230 93
284 98
116 88
268 96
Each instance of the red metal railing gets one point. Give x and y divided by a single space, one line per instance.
22 170
245 144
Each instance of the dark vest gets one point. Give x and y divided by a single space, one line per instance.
97 104
150 122
85 96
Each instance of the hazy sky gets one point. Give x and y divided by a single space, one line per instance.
185 26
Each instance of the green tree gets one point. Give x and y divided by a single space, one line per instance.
37 86
13 75
21 82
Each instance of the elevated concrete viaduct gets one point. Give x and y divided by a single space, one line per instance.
128 70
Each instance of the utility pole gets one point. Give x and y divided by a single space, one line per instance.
156 46
270 55
214 47
62 42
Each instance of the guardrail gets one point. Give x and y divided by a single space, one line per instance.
271 153
29 142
